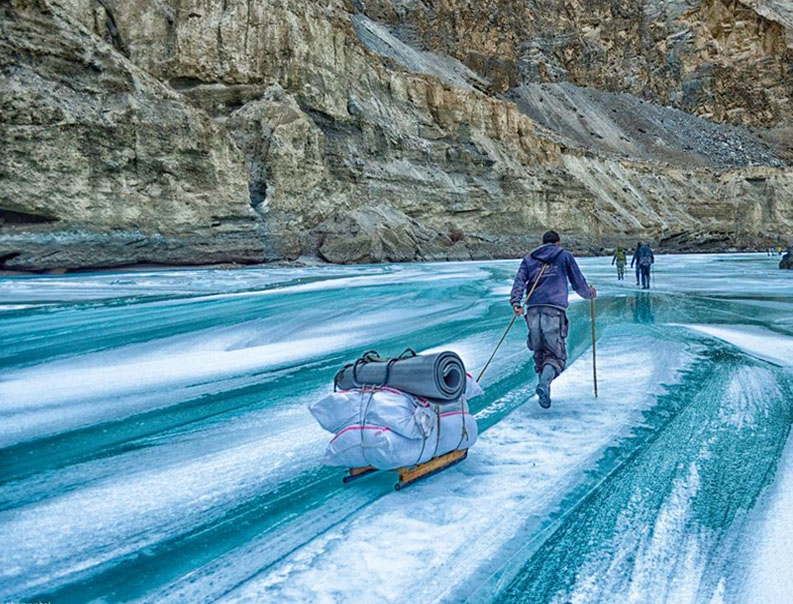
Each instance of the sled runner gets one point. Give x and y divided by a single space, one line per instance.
410 474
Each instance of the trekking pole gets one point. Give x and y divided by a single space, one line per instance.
594 349
511 323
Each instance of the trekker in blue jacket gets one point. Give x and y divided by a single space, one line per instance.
633 261
644 259
546 315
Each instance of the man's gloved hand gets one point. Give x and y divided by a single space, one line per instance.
593 292
518 310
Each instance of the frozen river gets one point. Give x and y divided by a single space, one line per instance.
155 442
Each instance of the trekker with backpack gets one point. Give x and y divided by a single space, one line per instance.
621 260
644 260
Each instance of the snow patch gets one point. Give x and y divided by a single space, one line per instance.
769 579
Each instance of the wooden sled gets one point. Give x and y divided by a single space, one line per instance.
410 474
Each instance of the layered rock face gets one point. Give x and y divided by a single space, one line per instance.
250 130
727 60
100 164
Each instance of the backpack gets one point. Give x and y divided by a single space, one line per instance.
645 256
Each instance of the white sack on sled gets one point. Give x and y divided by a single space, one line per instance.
385 449
395 410
401 412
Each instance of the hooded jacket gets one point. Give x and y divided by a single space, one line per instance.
552 288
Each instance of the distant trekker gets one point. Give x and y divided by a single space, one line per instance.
787 260
644 260
550 267
638 271
621 260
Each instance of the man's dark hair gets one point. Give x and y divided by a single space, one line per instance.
551 237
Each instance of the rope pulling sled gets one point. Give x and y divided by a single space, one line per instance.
445 380
371 366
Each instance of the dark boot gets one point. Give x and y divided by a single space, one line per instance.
544 387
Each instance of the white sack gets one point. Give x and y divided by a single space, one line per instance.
472 387
399 411
388 429
381 447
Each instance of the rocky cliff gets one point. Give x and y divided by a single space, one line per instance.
189 131
728 60
101 164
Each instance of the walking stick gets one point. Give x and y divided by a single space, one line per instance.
511 323
594 349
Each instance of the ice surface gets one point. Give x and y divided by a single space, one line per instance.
452 525
769 577
155 444
125 512
125 380
683 517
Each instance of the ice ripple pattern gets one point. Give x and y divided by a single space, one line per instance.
155 443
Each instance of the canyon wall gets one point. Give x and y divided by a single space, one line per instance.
194 131
727 60
101 164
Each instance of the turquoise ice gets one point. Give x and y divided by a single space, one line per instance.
155 443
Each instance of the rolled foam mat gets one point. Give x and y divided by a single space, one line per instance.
439 376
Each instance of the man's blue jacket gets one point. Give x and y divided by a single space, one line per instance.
552 288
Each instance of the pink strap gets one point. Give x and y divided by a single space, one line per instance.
348 428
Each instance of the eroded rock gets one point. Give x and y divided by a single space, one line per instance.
383 235
123 168
727 60
361 142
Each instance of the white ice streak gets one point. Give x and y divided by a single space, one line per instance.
669 542
769 578
401 278
757 341
662 556
165 282
57 538
418 544
64 395
747 396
